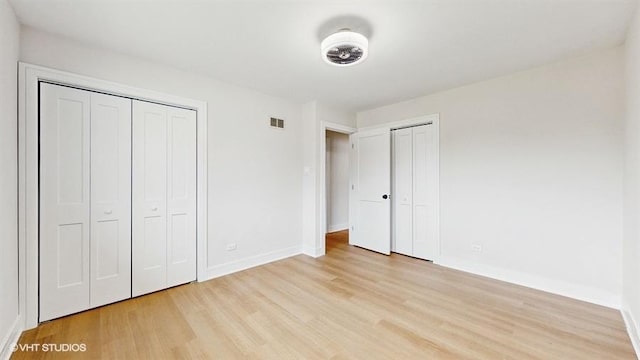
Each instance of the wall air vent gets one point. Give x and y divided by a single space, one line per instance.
276 123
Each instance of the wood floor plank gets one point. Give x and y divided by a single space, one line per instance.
349 304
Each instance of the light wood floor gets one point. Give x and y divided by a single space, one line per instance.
350 304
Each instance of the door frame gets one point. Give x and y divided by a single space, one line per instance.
29 77
322 229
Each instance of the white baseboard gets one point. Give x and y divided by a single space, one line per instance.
312 251
632 328
6 347
309 250
584 293
337 227
257 260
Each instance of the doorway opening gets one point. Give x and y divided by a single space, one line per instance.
336 240
336 189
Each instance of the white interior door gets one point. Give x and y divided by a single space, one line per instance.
425 192
149 198
402 212
164 197
181 202
110 199
64 201
371 183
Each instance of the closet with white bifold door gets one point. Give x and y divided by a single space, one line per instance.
117 199
414 192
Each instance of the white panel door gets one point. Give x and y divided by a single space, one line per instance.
425 192
164 197
110 199
371 187
64 201
181 196
402 212
149 198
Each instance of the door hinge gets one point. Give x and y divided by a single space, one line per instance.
352 145
353 187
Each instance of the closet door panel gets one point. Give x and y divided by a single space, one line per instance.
423 187
149 197
64 201
432 250
110 199
181 204
402 218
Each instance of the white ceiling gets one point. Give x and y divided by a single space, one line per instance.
416 47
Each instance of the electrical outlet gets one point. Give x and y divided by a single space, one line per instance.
231 246
476 247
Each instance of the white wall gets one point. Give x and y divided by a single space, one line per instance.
531 169
631 247
313 115
333 115
310 181
337 175
254 170
9 45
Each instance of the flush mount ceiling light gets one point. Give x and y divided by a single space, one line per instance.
344 48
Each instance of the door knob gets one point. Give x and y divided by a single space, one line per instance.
385 196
